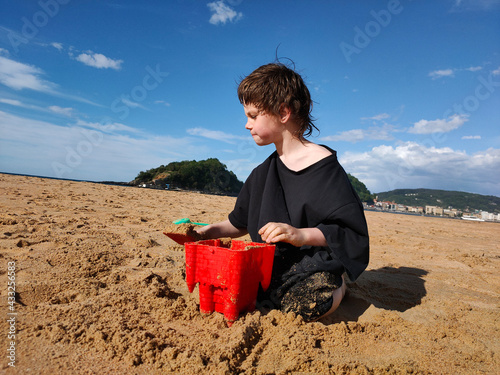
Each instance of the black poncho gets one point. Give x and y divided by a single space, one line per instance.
318 196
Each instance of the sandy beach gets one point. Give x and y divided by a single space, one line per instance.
101 290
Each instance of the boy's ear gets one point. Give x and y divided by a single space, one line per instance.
285 113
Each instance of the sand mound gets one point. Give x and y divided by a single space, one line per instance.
101 290
187 229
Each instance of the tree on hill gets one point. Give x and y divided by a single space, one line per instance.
363 193
206 175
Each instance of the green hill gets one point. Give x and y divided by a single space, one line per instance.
209 176
442 198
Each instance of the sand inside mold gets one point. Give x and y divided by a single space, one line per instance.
101 290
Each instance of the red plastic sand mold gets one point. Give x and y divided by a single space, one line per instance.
229 277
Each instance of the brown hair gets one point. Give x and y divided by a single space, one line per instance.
270 86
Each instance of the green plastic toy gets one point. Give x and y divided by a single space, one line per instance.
187 221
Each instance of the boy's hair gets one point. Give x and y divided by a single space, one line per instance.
270 86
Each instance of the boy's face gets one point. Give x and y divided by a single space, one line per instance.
264 128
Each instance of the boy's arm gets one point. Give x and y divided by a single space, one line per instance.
222 229
280 232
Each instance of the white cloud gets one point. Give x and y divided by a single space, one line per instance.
380 133
18 103
441 73
471 137
19 76
166 104
451 72
474 68
4 52
439 125
222 13
353 135
14 102
99 61
412 165
379 117
57 46
51 109
131 104
216 135
61 111
496 71
102 152
114 127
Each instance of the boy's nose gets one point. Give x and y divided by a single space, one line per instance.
248 126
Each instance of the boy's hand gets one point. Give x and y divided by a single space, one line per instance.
281 232
222 229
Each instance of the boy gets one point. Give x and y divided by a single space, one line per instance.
299 198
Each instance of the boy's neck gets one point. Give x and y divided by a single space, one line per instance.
299 153
290 142
289 145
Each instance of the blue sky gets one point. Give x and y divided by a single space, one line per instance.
407 92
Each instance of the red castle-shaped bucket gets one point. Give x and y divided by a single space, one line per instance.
229 277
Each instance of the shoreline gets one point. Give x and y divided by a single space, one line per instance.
429 216
127 184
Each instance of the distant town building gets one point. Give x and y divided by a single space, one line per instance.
487 215
451 212
401 208
434 210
